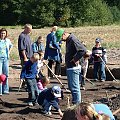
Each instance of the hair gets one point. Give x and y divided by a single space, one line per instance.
28 26
45 80
40 37
86 109
54 28
3 29
35 56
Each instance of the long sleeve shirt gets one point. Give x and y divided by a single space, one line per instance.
29 71
74 50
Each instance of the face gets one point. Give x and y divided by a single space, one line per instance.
3 34
64 37
80 117
40 40
28 30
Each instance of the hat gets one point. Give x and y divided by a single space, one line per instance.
56 91
59 33
2 77
98 40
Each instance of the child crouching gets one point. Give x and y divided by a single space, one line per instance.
29 73
42 83
50 98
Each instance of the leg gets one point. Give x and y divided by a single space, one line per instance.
31 90
96 65
6 72
102 71
58 68
50 63
1 64
73 84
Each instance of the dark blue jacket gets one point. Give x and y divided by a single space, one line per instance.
74 49
29 71
46 99
52 48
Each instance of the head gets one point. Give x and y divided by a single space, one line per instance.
35 57
3 33
56 91
87 54
2 78
98 41
54 28
27 28
45 81
59 34
65 35
40 39
85 111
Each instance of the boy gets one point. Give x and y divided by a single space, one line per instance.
99 55
50 97
29 73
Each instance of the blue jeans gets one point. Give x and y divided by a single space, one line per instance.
99 66
4 69
32 90
73 84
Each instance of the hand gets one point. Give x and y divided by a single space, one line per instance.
75 62
25 59
60 113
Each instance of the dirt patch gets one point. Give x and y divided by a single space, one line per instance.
14 106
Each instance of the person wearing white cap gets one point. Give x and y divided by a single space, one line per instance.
50 98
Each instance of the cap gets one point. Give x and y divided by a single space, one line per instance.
56 91
2 77
59 33
98 40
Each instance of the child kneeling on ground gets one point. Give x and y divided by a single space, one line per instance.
50 97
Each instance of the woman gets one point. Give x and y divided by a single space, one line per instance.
52 52
87 111
5 48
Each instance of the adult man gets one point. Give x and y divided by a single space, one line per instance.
24 44
74 52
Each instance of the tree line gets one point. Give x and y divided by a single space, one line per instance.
65 13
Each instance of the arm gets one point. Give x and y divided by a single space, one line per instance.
34 47
22 46
81 50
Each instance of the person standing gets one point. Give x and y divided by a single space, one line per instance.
5 48
75 50
24 44
52 51
29 73
100 58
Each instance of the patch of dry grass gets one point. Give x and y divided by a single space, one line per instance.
110 34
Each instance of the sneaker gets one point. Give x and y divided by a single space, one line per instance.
82 88
30 103
96 80
102 80
46 113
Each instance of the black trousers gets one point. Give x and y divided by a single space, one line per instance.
57 67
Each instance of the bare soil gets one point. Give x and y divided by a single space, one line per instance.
14 106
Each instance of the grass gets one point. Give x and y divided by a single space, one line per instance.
110 34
